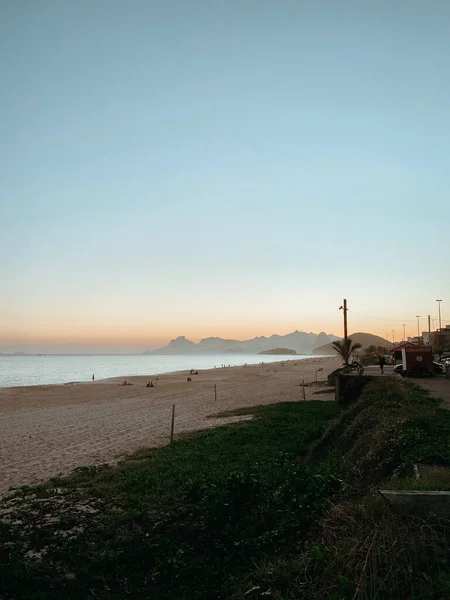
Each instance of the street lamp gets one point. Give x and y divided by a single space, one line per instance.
404 334
439 304
418 327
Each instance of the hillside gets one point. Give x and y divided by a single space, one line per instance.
365 339
299 341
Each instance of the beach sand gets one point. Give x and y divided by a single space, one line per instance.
47 431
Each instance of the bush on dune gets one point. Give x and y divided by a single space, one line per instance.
391 426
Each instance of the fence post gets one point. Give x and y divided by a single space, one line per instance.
173 423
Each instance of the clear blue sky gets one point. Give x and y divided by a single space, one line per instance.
228 168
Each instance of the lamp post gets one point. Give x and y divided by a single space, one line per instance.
404 334
439 305
345 309
418 327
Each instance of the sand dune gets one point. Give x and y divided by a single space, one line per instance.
50 430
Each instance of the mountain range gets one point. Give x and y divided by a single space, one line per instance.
365 339
300 341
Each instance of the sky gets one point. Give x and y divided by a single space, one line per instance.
230 168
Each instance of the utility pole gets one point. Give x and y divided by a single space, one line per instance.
429 329
439 305
418 328
346 348
404 334
393 338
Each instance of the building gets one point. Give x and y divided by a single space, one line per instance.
440 339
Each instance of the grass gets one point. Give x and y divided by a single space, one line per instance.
430 477
392 426
361 549
281 506
183 521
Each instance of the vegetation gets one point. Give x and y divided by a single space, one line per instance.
369 355
346 348
374 444
281 506
392 426
184 521
365 339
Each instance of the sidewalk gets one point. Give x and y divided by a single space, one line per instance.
439 387
374 371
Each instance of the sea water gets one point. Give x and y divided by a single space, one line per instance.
52 369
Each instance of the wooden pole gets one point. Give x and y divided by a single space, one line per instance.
345 332
215 392
173 423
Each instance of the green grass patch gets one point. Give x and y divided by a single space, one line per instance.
184 521
392 426
281 506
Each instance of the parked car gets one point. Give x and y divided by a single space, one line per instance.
438 369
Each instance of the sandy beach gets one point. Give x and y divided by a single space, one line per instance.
50 430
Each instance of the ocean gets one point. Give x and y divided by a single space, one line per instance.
52 369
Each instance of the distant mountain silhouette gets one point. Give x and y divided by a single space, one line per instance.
300 341
178 346
365 339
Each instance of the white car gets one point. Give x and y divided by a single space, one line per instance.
438 368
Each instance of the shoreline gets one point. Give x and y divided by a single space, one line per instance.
49 430
187 371
279 359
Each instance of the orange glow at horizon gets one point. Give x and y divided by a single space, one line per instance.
155 336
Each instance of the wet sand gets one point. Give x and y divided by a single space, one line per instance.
49 430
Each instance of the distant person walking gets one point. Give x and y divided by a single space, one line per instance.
381 362
93 377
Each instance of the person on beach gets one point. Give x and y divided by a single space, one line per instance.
381 362
93 378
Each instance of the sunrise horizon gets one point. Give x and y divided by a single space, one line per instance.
104 344
234 171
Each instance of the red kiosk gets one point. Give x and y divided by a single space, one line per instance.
417 359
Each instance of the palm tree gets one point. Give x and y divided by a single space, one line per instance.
346 348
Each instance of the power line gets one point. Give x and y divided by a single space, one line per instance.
381 319
390 320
